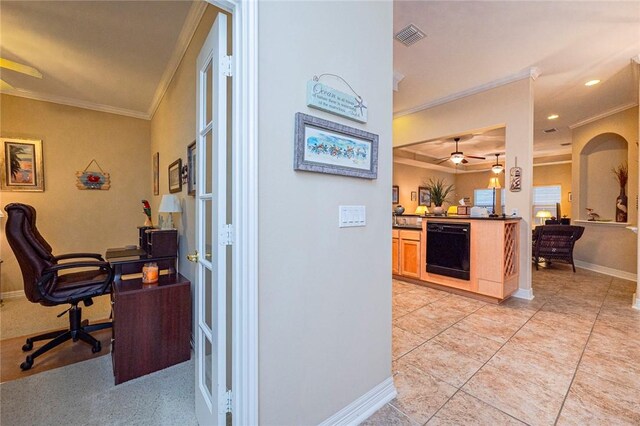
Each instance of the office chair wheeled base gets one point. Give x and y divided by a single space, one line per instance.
78 330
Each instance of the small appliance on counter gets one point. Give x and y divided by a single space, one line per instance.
479 212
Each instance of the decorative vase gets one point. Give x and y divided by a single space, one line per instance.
438 210
621 206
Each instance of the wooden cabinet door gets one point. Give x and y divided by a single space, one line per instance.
395 256
410 258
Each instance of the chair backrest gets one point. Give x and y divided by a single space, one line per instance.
556 238
33 257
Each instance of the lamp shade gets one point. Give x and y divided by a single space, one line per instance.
421 210
169 204
494 183
543 214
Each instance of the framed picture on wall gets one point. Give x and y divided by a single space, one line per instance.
175 183
22 165
156 173
191 168
395 194
323 146
424 196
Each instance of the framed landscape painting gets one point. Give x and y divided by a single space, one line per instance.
424 196
323 146
175 181
22 165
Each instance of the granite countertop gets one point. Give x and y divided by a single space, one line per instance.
456 217
416 227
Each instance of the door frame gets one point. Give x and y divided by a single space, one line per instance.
244 359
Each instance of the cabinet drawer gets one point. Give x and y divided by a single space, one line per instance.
395 233
410 235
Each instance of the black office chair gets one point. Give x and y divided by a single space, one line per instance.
44 284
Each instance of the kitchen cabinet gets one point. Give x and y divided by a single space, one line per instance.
493 253
406 250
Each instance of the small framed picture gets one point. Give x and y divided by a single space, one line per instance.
175 183
191 168
395 194
22 165
424 196
414 195
156 173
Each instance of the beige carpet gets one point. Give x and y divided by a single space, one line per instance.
19 317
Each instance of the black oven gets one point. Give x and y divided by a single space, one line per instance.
448 249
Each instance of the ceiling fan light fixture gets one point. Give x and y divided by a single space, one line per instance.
457 157
497 168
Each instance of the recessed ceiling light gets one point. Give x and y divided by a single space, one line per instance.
592 82
553 117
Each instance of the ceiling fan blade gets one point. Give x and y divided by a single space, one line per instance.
4 85
473 156
443 161
21 68
464 161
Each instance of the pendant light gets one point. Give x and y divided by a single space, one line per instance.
497 168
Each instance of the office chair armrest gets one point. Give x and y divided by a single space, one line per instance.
78 256
50 272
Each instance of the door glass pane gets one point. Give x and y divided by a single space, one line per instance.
208 93
208 302
208 374
208 233
208 162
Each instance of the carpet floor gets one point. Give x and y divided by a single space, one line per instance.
84 394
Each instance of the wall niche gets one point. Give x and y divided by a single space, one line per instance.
598 186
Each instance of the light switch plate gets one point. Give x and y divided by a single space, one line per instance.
349 216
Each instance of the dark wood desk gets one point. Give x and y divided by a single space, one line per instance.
130 261
151 325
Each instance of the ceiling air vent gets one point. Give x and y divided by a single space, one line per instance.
551 130
409 35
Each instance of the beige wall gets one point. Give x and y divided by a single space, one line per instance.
466 183
70 219
325 292
509 106
604 245
173 128
409 178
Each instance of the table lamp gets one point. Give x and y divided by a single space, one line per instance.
169 204
543 215
494 183
421 210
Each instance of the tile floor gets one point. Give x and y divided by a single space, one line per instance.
571 356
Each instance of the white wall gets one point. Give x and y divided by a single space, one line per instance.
325 292
509 106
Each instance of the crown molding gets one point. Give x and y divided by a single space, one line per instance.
603 115
75 103
186 34
532 73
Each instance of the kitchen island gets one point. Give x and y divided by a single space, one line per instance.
477 256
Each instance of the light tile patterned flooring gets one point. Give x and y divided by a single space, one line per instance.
571 356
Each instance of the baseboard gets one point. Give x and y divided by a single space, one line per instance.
17 294
607 271
524 293
363 407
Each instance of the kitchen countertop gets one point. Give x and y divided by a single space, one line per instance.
455 217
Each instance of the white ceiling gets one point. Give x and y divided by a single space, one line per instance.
473 44
111 55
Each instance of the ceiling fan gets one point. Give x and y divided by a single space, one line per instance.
15 66
458 157
497 168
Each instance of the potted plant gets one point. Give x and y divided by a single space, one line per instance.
621 174
439 192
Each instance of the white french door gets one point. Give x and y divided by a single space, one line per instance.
212 229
